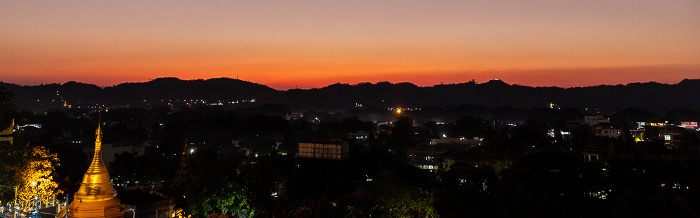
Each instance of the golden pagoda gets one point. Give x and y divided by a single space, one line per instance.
96 196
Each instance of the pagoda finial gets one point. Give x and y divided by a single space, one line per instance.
98 136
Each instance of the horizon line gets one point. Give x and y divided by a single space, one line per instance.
347 83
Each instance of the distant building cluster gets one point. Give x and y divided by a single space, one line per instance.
449 153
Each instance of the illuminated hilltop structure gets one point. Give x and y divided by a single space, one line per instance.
96 196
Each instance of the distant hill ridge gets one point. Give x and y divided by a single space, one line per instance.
651 96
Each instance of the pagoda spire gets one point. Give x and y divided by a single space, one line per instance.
96 196
96 183
183 175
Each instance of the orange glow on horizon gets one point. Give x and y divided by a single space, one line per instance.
316 79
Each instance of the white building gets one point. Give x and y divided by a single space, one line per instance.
607 131
111 150
595 120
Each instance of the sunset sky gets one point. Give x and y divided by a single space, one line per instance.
289 43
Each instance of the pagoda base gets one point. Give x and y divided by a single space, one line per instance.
107 209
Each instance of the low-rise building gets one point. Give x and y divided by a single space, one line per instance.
360 135
591 153
607 131
333 150
565 135
475 159
136 202
293 116
670 137
595 119
426 157
470 142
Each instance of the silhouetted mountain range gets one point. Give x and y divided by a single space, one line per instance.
650 96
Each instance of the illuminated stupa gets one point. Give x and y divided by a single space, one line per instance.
96 196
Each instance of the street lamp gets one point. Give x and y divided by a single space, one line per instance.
36 198
14 205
